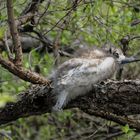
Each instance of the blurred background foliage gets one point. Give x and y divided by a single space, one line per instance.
89 23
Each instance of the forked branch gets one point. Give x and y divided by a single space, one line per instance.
15 66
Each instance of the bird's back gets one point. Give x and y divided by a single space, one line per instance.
77 76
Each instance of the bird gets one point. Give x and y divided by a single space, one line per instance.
89 67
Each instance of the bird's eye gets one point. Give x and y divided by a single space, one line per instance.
116 54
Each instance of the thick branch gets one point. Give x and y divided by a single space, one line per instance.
23 74
111 100
14 33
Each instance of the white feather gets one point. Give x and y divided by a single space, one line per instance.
79 77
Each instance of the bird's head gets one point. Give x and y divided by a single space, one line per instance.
119 56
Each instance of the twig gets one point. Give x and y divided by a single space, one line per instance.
30 54
46 9
91 136
10 56
118 119
62 18
56 48
135 22
4 133
110 136
135 37
24 19
31 7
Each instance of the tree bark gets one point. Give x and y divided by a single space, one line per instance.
112 100
14 34
26 75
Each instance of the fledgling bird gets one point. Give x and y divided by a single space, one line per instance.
76 76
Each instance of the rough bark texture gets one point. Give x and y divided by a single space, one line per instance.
112 100
26 75
14 33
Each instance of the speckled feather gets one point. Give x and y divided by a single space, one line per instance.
76 76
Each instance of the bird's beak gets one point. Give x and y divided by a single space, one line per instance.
131 59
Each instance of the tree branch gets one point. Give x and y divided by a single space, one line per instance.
135 22
23 74
15 66
14 33
29 12
112 100
29 43
24 19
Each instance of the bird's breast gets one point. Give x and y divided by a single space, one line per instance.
107 68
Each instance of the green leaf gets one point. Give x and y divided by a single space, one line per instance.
125 128
2 31
4 98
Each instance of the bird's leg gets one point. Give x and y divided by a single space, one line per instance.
61 100
118 74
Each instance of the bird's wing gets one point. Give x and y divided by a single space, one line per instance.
64 68
75 64
91 70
